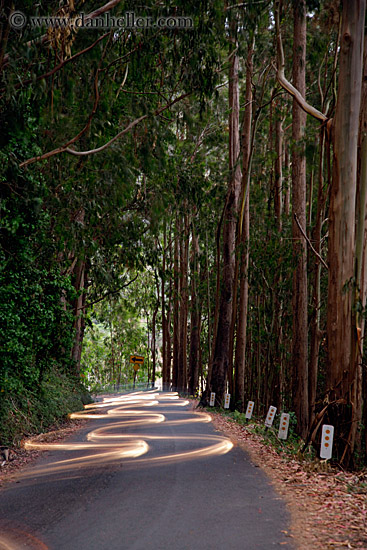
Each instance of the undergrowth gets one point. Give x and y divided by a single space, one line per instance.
291 447
30 413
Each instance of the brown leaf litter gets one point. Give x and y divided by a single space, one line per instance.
328 509
20 457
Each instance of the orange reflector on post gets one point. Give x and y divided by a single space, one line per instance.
270 416
227 399
212 399
283 426
249 410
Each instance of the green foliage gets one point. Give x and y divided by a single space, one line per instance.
34 412
36 331
36 387
36 327
116 329
104 210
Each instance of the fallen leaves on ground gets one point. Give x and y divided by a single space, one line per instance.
328 509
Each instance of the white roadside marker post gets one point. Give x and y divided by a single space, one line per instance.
283 426
4 454
212 399
270 416
227 399
327 437
249 410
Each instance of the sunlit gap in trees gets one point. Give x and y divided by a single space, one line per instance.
110 444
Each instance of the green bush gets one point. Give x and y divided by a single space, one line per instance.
31 413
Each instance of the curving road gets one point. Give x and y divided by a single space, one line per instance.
145 473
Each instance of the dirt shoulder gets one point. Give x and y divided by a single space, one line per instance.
20 457
328 509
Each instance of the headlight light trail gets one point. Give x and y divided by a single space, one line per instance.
111 443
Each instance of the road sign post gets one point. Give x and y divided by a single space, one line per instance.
136 359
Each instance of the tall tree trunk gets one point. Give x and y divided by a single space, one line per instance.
154 319
214 325
221 352
165 382
169 339
316 333
176 298
79 323
276 368
244 232
169 316
112 343
211 324
184 296
287 193
299 302
361 253
195 318
278 169
341 321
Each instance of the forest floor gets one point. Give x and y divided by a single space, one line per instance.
328 508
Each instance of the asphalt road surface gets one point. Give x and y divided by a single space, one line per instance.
145 473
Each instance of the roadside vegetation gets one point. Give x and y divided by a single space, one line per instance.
196 195
34 412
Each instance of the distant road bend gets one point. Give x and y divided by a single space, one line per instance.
145 473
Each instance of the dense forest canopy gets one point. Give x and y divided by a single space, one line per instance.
186 181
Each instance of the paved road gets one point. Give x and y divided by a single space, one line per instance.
145 473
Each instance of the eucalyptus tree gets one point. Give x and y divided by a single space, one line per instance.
342 326
95 108
361 244
300 290
223 333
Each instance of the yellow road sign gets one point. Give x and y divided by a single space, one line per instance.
137 359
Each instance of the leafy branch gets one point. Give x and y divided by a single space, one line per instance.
66 149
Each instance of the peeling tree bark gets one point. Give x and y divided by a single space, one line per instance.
361 257
299 302
341 320
316 333
362 171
